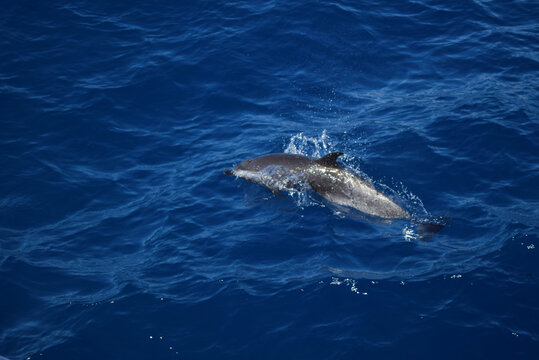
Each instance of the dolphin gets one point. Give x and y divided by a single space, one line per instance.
326 177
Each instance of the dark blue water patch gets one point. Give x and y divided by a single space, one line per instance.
120 236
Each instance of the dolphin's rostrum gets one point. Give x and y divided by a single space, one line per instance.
324 175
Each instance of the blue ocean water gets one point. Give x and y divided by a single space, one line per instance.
121 238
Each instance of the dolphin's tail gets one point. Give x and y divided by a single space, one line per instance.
426 229
228 172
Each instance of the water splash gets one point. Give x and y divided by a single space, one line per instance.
399 193
310 146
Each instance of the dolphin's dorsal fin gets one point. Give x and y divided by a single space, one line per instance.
330 160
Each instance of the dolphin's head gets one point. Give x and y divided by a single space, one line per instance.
247 165
269 163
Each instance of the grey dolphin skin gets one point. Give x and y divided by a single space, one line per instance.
327 178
